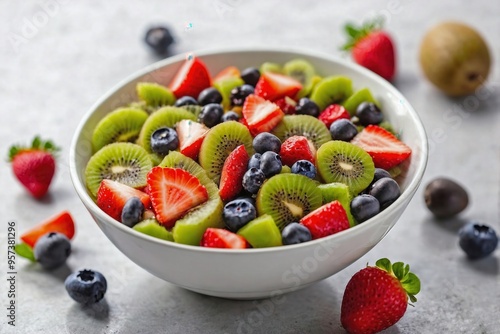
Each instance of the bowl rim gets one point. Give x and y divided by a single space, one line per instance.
96 211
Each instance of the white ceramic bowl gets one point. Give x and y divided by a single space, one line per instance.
253 273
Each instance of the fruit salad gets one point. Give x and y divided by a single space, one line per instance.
249 158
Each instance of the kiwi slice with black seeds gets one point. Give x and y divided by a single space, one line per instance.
347 163
120 125
334 89
303 125
302 71
126 163
155 95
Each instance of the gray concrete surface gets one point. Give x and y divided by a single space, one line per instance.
58 56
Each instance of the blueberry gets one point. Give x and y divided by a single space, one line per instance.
239 94
477 240
363 207
253 179
250 200
186 101
238 213
132 211
386 191
254 161
159 39
266 141
304 167
295 233
270 163
250 75
209 95
86 286
164 140
230 116
52 249
379 174
343 129
211 114
305 106
368 113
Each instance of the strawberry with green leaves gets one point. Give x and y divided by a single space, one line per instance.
372 48
377 297
34 166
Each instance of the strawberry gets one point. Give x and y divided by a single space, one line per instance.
287 105
297 148
174 192
233 170
34 166
372 48
261 115
61 223
326 220
191 135
228 72
112 196
386 150
376 297
191 78
220 238
332 113
273 86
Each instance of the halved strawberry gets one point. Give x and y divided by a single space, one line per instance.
228 72
297 148
220 238
191 78
326 220
332 113
287 105
260 114
233 170
112 196
386 150
61 223
191 135
273 86
174 192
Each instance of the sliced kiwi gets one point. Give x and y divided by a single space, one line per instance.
261 232
152 228
303 125
334 89
190 228
164 117
347 163
225 86
271 67
220 141
195 110
285 169
302 71
123 162
288 198
155 95
306 91
155 158
120 125
337 191
362 95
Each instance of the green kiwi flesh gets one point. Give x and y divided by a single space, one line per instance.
302 71
152 228
303 125
225 86
271 67
334 89
362 95
261 232
337 191
155 95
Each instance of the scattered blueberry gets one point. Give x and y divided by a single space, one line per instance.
253 179
386 191
159 39
266 141
86 286
368 113
132 211
254 161
209 95
363 207
295 233
239 94
305 106
230 116
164 140
211 114
304 167
238 213
477 240
343 129
186 101
250 75
445 198
270 163
52 249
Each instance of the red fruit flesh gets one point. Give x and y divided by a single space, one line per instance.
287 105
332 113
376 52
191 135
261 115
233 170
297 148
112 196
228 72
220 238
191 78
35 170
326 220
61 223
273 86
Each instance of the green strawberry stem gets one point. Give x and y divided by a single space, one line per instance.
36 144
24 250
357 33
409 281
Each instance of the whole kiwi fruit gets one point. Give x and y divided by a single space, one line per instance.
455 58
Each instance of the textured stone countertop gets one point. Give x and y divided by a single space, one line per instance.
59 56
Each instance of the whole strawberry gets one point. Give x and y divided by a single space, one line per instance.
372 48
376 297
34 166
